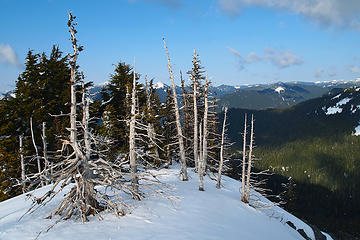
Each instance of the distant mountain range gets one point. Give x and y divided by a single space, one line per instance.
337 112
277 95
264 96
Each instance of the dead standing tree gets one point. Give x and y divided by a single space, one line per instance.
178 124
252 189
132 155
222 148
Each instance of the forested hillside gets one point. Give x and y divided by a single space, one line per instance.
315 144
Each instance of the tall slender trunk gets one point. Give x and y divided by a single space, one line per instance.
36 152
74 56
46 159
218 185
85 122
250 158
21 150
201 163
195 136
206 131
133 166
186 112
243 180
178 124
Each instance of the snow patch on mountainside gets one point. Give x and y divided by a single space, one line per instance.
357 131
279 89
159 85
212 214
337 108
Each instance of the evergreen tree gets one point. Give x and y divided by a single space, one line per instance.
116 107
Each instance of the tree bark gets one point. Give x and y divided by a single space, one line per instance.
195 123
178 124
133 166
201 163
206 131
46 159
22 163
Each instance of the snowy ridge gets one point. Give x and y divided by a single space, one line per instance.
159 85
212 214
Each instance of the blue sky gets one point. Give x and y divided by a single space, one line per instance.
239 41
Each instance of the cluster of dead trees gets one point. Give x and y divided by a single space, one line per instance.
94 183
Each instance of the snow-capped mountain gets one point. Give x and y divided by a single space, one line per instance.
212 214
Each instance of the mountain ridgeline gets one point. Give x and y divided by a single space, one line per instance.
277 95
316 144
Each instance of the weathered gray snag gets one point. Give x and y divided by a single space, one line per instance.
243 180
132 156
36 152
178 124
201 162
218 185
21 151
205 131
45 156
250 160
196 124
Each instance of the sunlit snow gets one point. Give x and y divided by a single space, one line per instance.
279 89
158 85
212 214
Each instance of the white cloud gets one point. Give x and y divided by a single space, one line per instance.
239 58
8 55
340 13
282 59
253 57
354 69
279 58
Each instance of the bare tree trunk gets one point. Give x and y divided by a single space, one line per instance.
21 150
218 185
250 159
74 56
85 122
195 123
201 163
36 152
178 124
133 166
206 131
243 180
46 159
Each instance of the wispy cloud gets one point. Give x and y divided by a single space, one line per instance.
279 58
338 13
8 55
319 73
354 69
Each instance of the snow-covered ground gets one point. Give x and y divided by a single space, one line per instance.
212 214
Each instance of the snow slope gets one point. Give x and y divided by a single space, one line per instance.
212 214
